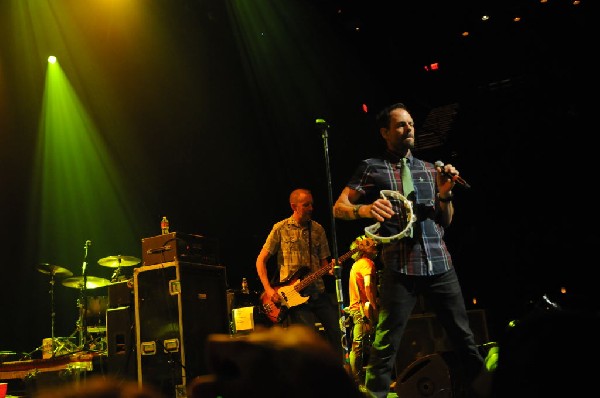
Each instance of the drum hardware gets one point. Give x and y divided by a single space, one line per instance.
96 324
89 327
93 282
97 329
95 317
117 262
83 283
58 347
53 271
87 306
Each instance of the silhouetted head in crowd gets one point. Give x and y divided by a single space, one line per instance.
294 362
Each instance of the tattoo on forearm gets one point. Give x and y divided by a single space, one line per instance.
341 213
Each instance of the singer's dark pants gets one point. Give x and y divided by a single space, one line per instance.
399 294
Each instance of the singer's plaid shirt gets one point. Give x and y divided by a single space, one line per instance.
425 253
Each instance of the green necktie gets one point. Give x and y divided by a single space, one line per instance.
407 184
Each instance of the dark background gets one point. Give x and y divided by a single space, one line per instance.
207 144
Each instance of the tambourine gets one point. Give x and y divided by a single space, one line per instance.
408 214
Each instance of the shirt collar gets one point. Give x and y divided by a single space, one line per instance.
293 221
394 158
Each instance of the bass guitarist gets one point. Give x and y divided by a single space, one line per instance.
300 246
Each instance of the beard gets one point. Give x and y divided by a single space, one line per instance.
400 147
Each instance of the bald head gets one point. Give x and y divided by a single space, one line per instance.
301 201
298 194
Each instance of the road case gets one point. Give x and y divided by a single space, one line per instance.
177 305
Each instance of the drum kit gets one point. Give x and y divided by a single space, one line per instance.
92 309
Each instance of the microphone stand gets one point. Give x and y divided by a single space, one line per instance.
337 269
83 313
53 312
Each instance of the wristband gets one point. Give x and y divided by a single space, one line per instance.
445 200
355 210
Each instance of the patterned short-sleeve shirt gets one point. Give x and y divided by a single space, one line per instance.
289 241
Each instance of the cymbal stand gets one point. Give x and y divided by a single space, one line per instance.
117 273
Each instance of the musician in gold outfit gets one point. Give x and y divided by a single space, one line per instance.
362 307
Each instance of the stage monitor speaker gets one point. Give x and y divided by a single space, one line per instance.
424 335
428 376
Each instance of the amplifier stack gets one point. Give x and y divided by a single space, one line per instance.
158 321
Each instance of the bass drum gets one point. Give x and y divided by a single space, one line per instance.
95 316
434 375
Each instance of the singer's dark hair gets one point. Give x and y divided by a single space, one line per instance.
382 120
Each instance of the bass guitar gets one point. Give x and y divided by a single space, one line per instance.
290 290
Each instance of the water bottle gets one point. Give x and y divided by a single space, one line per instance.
244 298
164 225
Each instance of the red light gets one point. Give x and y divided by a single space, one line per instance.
364 108
435 66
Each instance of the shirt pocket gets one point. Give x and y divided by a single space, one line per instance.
290 242
425 189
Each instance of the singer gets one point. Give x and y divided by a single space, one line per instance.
418 263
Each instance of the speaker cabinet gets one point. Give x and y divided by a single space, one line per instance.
424 335
120 339
177 305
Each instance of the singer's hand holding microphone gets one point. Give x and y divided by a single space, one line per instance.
448 171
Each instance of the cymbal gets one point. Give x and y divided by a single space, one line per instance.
93 282
50 269
118 261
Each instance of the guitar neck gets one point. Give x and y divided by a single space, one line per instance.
304 283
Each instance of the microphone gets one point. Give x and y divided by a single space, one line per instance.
321 124
454 177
